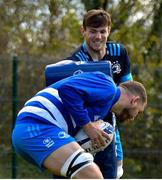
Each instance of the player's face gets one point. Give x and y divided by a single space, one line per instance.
96 38
130 113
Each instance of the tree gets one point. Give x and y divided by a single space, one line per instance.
39 27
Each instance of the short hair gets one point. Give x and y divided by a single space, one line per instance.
96 18
135 88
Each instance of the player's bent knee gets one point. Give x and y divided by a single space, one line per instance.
76 162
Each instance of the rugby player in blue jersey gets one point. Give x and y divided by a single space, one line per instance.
96 30
46 125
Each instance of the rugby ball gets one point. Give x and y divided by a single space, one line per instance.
85 142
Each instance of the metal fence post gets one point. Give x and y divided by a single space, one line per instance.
14 109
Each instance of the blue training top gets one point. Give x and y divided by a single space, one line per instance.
73 101
115 53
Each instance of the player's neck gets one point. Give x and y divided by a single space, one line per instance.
96 55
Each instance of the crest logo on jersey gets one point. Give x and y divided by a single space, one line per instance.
116 68
48 142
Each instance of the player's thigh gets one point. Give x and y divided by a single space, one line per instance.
72 161
118 144
56 159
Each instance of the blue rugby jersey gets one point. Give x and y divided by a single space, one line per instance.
116 54
73 101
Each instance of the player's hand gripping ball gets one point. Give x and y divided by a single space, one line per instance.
85 142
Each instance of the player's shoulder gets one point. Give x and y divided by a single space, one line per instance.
96 75
115 48
77 54
113 43
102 77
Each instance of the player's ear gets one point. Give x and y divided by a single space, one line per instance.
109 29
82 30
135 100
